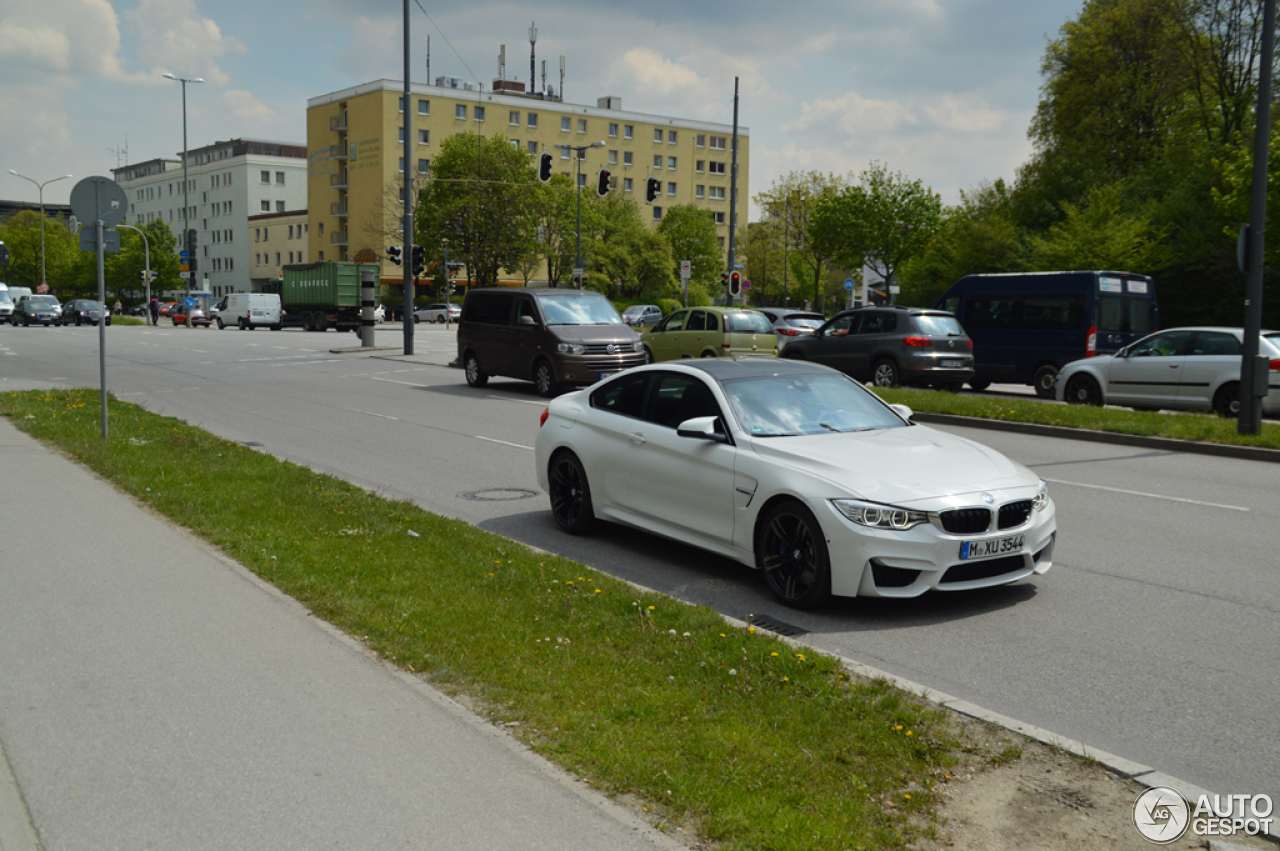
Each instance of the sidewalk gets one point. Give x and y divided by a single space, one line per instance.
154 694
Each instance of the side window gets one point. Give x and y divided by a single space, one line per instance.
677 398
488 308
675 322
875 323
1210 343
697 321
525 307
842 325
996 314
713 323
624 396
1162 345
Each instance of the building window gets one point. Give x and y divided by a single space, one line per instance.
515 143
671 137
423 166
657 136
257 235
280 178
671 189
277 258
720 241
564 153
717 168
626 158
700 166
532 120
290 231
702 140
319 229
279 206
719 216
266 206
402 166
613 130
460 111
533 147
424 107
626 184
582 179
657 214
715 193
266 176
699 191
513 118
564 125
401 102
424 137
719 143
657 160
582 125
226 207
321 258
400 138
613 158
628 132
479 113
671 163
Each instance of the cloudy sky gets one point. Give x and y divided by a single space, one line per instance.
942 90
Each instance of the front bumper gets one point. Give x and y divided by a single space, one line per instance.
582 370
882 563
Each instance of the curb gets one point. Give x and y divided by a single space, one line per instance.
1168 444
16 831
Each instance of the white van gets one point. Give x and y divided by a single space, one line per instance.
15 294
249 310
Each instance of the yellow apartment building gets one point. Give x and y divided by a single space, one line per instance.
355 155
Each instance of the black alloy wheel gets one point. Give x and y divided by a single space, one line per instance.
544 378
1045 379
792 552
1226 402
885 374
1083 390
476 377
570 495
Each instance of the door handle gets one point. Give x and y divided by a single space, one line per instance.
637 438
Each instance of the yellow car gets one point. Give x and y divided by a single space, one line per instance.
710 332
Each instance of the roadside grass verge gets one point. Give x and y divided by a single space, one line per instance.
731 734
1208 428
126 320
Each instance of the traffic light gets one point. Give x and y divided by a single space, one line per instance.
652 187
393 254
602 182
191 241
143 275
544 166
735 284
419 260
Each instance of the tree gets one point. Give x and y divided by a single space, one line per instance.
478 202
625 260
1099 235
123 267
555 211
791 202
21 235
884 220
691 232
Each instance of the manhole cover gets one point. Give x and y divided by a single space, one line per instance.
497 494
776 626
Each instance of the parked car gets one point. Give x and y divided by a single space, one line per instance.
550 337
706 332
789 323
889 346
37 310
81 311
6 306
136 310
166 307
438 313
796 470
193 317
642 315
1185 369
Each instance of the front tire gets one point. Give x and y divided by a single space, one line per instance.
979 386
1226 402
792 552
648 355
570 495
885 374
221 325
544 378
1045 379
476 377
241 323
1083 390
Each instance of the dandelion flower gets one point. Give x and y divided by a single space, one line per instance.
751 629
800 656
909 733
651 608
774 653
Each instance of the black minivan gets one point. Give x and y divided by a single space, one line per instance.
551 337
1026 326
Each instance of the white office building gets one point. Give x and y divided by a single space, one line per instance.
229 182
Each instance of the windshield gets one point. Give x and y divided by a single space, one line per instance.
593 309
633 310
937 325
748 323
4 297
782 406
805 320
46 300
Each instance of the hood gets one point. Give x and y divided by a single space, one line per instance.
899 465
623 335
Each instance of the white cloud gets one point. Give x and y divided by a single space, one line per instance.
658 75
853 115
79 38
177 39
249 109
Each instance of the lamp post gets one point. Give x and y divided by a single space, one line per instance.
186 185
40 187
580 150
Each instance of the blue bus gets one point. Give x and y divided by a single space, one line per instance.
1026 326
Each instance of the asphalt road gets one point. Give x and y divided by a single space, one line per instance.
1154 636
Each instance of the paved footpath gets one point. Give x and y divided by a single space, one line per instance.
155 694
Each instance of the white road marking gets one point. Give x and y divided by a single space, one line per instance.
1150 495
393 381
523 401
503 442
370 413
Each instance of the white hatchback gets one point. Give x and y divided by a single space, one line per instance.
797 470
1186 369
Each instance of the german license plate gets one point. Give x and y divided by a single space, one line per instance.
971 550
952 364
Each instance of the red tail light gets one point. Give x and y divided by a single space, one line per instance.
1091 342
918 342
1275 365
542 420
968 344
788 332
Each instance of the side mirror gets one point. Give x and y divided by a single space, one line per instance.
903 411
702 428
527 322
1123 352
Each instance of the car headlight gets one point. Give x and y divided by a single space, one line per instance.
880 516
1041 498
637 346
570 348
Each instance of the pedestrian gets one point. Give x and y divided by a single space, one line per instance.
155 311
115 308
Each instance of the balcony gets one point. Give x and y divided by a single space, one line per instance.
338 181
338 237
338 209
338 152
338 123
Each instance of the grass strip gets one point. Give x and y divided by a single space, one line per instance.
1208 428
731 734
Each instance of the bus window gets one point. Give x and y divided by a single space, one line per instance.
1117 314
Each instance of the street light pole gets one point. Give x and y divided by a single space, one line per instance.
579 150
186 184
40 187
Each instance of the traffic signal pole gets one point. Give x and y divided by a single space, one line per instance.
733 195
408 285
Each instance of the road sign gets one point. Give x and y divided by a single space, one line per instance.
97 198
579 271
185 255
43 288
184 275
189 302
184 267
746 285
686 269
848 284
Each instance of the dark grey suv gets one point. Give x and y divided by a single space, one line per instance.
889 346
